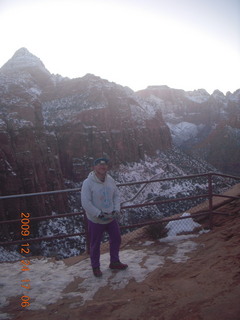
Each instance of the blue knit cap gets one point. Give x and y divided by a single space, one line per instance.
100 161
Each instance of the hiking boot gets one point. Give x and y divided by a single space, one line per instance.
118 265
97 272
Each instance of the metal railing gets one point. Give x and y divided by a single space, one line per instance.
208 208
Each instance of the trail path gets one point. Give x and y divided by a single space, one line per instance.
196 278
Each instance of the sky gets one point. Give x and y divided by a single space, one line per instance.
186 44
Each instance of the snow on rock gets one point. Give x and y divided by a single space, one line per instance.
183 131
182 249
234 96
3 125
21 60
199 96
21 123
48 278
219 96
6 255
181 226
143 109
35 91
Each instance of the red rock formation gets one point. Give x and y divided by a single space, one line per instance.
51 128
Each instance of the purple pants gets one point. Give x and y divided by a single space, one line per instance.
96 231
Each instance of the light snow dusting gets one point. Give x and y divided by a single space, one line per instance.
199 96
23 59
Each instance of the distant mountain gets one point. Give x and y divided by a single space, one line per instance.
52 127
203 125
23 61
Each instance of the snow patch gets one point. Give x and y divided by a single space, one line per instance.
3 125
180 226
184 131
48 279
6 255
35 91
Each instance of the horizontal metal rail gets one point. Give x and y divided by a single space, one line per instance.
164 179
30 240
37 193
140 205
46 217
119 185
200 213
164 220
225 196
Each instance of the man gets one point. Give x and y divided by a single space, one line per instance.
101 201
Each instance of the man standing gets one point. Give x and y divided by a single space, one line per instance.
101 201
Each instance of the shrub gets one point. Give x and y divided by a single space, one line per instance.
156 231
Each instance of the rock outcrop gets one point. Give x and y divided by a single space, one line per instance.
102 117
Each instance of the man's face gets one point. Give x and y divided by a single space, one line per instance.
101 169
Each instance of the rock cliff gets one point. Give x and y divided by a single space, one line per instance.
52 127
102 117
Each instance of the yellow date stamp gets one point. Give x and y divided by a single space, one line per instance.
25 262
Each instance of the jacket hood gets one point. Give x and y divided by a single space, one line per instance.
92 176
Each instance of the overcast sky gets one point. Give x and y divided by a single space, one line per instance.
185 44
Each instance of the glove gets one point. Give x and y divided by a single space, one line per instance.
105 216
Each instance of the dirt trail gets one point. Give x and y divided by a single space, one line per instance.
205 287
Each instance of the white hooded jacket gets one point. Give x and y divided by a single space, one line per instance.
97 196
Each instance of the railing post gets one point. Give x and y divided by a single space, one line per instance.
86 233
210 201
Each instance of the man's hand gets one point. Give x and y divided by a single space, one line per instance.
105 216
